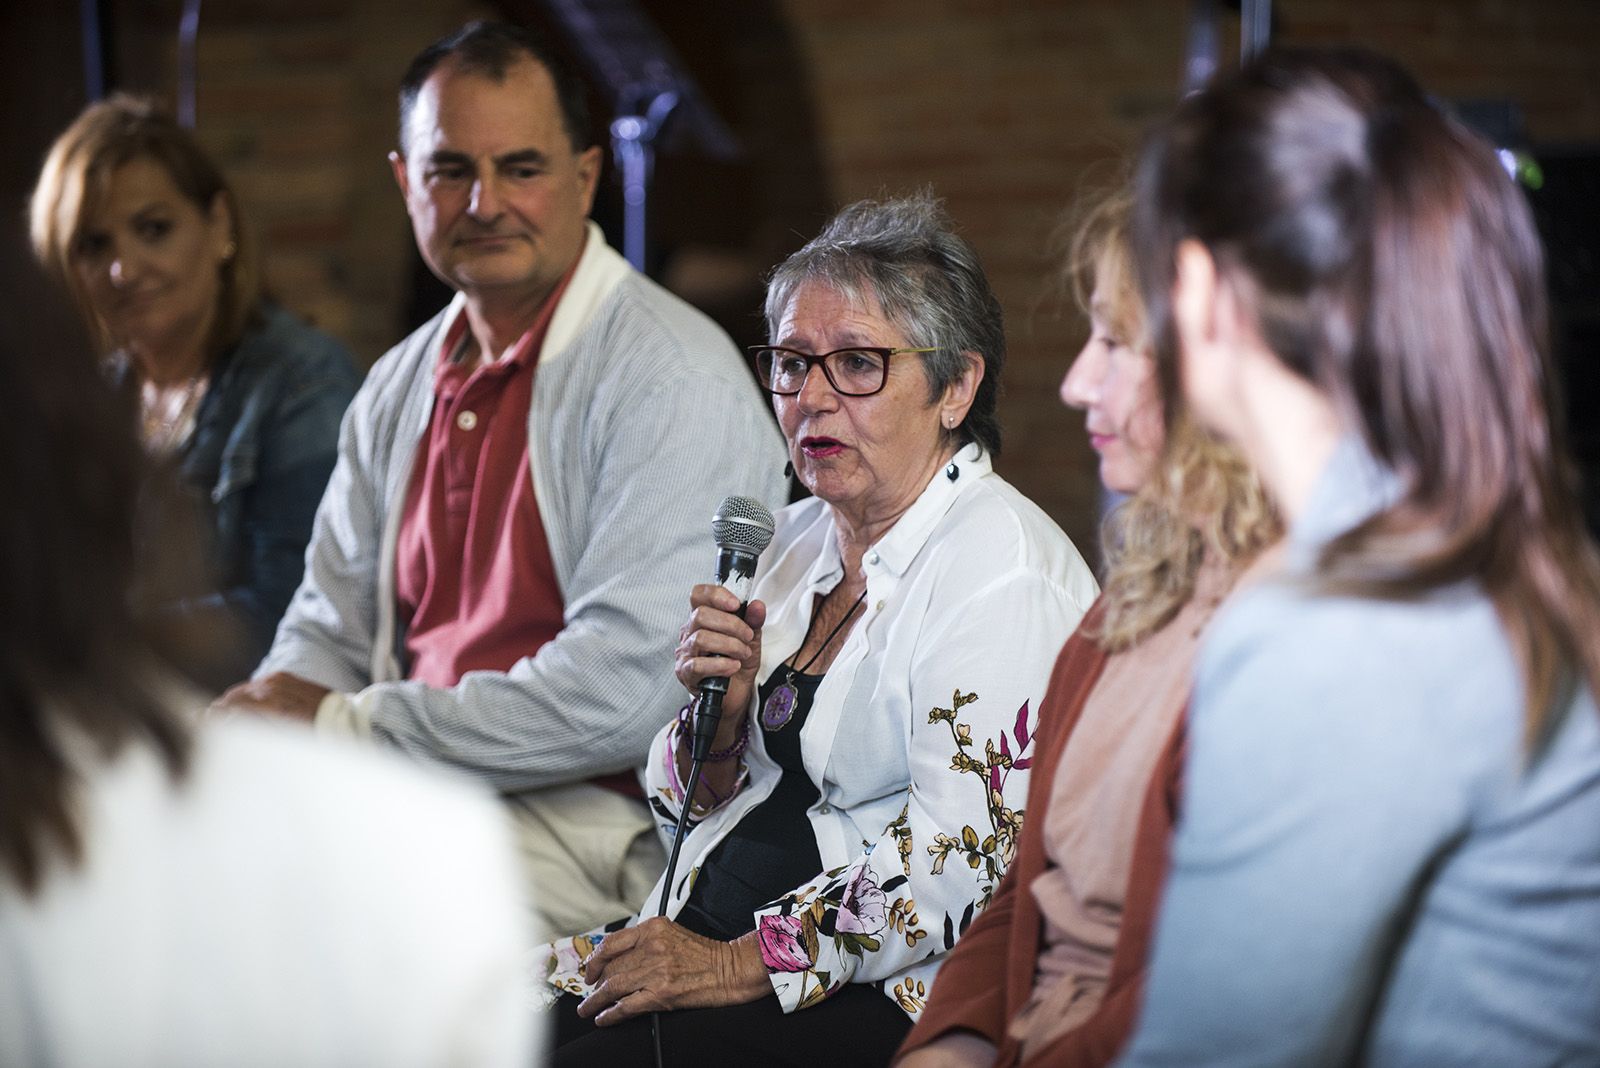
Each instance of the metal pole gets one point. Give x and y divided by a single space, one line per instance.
1200 52
1255 28
633 144
188 61
94 51
627 144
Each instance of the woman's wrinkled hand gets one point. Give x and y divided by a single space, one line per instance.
658 965
715 641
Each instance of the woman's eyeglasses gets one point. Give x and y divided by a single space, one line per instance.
854 372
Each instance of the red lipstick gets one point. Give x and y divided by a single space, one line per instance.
821 447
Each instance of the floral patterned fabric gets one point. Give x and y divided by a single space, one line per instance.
851 907
919 738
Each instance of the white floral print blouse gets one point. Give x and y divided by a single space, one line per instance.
919 737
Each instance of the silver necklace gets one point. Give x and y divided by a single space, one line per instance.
778 709
169 415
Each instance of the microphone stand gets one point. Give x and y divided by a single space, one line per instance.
707 714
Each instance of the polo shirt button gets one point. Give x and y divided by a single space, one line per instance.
872 558
825 810
467 420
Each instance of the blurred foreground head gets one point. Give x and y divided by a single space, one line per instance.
1382 254
75 667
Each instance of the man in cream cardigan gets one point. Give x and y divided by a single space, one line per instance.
524 488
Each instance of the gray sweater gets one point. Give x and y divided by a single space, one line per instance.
1368 868
643 418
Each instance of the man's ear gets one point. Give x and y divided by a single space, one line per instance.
397 164
589 161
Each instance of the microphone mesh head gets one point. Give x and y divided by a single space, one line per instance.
742 523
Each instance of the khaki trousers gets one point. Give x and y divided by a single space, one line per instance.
589 855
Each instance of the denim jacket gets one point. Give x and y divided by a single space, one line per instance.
264 442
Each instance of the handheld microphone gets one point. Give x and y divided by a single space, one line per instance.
742 528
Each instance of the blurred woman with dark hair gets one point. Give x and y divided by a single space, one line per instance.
230 892
1390 845
244 400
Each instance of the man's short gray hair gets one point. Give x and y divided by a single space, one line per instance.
905 253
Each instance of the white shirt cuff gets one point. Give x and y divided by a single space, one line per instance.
342 713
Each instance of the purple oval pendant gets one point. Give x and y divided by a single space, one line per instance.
779 708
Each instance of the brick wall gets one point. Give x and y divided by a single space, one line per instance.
1003 106
296 101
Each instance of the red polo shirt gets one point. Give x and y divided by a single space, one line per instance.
474 577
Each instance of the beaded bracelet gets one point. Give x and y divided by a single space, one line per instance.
685 715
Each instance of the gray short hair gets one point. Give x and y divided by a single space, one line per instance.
905 253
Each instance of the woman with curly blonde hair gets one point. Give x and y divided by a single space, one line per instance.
1052 972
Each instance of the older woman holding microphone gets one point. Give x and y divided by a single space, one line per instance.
862 798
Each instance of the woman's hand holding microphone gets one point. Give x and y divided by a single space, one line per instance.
715 642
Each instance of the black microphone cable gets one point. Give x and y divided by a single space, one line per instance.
743 529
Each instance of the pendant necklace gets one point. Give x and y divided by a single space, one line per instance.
168 417
778 709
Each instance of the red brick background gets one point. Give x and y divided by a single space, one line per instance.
1002 106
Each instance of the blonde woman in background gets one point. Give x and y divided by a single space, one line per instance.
1052 973
240 399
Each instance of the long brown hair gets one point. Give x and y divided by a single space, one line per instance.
78 169
1392 262
1201 501
77 674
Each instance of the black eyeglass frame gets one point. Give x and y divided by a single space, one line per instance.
821 359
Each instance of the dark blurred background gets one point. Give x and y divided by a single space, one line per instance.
1005 107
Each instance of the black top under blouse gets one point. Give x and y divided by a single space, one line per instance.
773 849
